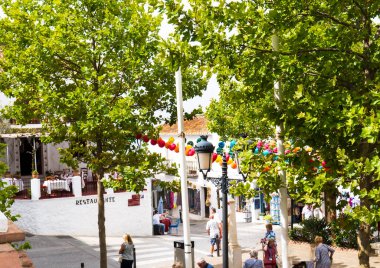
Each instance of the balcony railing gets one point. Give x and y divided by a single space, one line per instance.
191 167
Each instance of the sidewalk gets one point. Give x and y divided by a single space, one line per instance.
250 233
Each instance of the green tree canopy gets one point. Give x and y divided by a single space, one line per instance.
93 73
328 68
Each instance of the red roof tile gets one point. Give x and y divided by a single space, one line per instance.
197 126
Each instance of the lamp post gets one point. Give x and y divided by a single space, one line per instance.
204 150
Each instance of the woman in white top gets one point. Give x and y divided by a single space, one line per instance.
126 250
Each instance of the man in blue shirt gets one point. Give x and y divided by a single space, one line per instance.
253 262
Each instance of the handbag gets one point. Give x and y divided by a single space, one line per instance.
120 260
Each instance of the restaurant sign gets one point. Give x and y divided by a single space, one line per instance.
87 201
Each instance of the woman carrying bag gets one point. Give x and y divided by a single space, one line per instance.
126 251
270 254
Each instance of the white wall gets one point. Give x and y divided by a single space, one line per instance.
65 216
53 156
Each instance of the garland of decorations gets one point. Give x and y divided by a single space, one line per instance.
189 148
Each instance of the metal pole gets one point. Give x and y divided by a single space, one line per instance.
291 213
182 172
34 153
225 211
134 257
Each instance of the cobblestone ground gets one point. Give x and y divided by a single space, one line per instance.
158 251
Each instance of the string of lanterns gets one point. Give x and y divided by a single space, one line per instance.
189 148
265 148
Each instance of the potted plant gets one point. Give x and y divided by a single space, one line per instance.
35 174
268 218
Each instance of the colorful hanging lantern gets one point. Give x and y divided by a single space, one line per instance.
221 144
161 143
145 138
153 142
172 147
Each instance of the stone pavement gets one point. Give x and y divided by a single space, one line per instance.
248 238
158 252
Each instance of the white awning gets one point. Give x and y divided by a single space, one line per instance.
19 135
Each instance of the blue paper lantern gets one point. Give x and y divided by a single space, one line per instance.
266 152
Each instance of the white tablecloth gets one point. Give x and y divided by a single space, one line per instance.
56 185
70 179
17 182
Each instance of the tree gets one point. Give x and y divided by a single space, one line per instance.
7 192
91 72
327 65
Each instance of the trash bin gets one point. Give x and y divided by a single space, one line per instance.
247 214
179 252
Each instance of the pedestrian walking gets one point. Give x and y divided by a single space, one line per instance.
126 251
219 221
323 253
214 232
253 261
269 233
270 254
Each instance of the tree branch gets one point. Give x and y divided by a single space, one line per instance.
360 7
329 49
296 52
325 15
68 63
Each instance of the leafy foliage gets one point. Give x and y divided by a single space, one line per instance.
7 192
327 67
169 186
310 228
22 246
95 73
344 231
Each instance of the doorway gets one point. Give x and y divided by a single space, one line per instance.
26 155
207 207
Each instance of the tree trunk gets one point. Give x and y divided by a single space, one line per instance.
330 206
101 225
364 245
364 233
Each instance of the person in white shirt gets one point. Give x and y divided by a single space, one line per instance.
307 212
219 221
318 213
214 231
156 221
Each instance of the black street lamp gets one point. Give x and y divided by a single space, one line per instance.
204 150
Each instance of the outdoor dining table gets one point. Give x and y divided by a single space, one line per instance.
12 181
56 185
70 179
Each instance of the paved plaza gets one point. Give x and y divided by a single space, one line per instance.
158 251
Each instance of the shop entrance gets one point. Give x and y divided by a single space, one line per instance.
27 160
